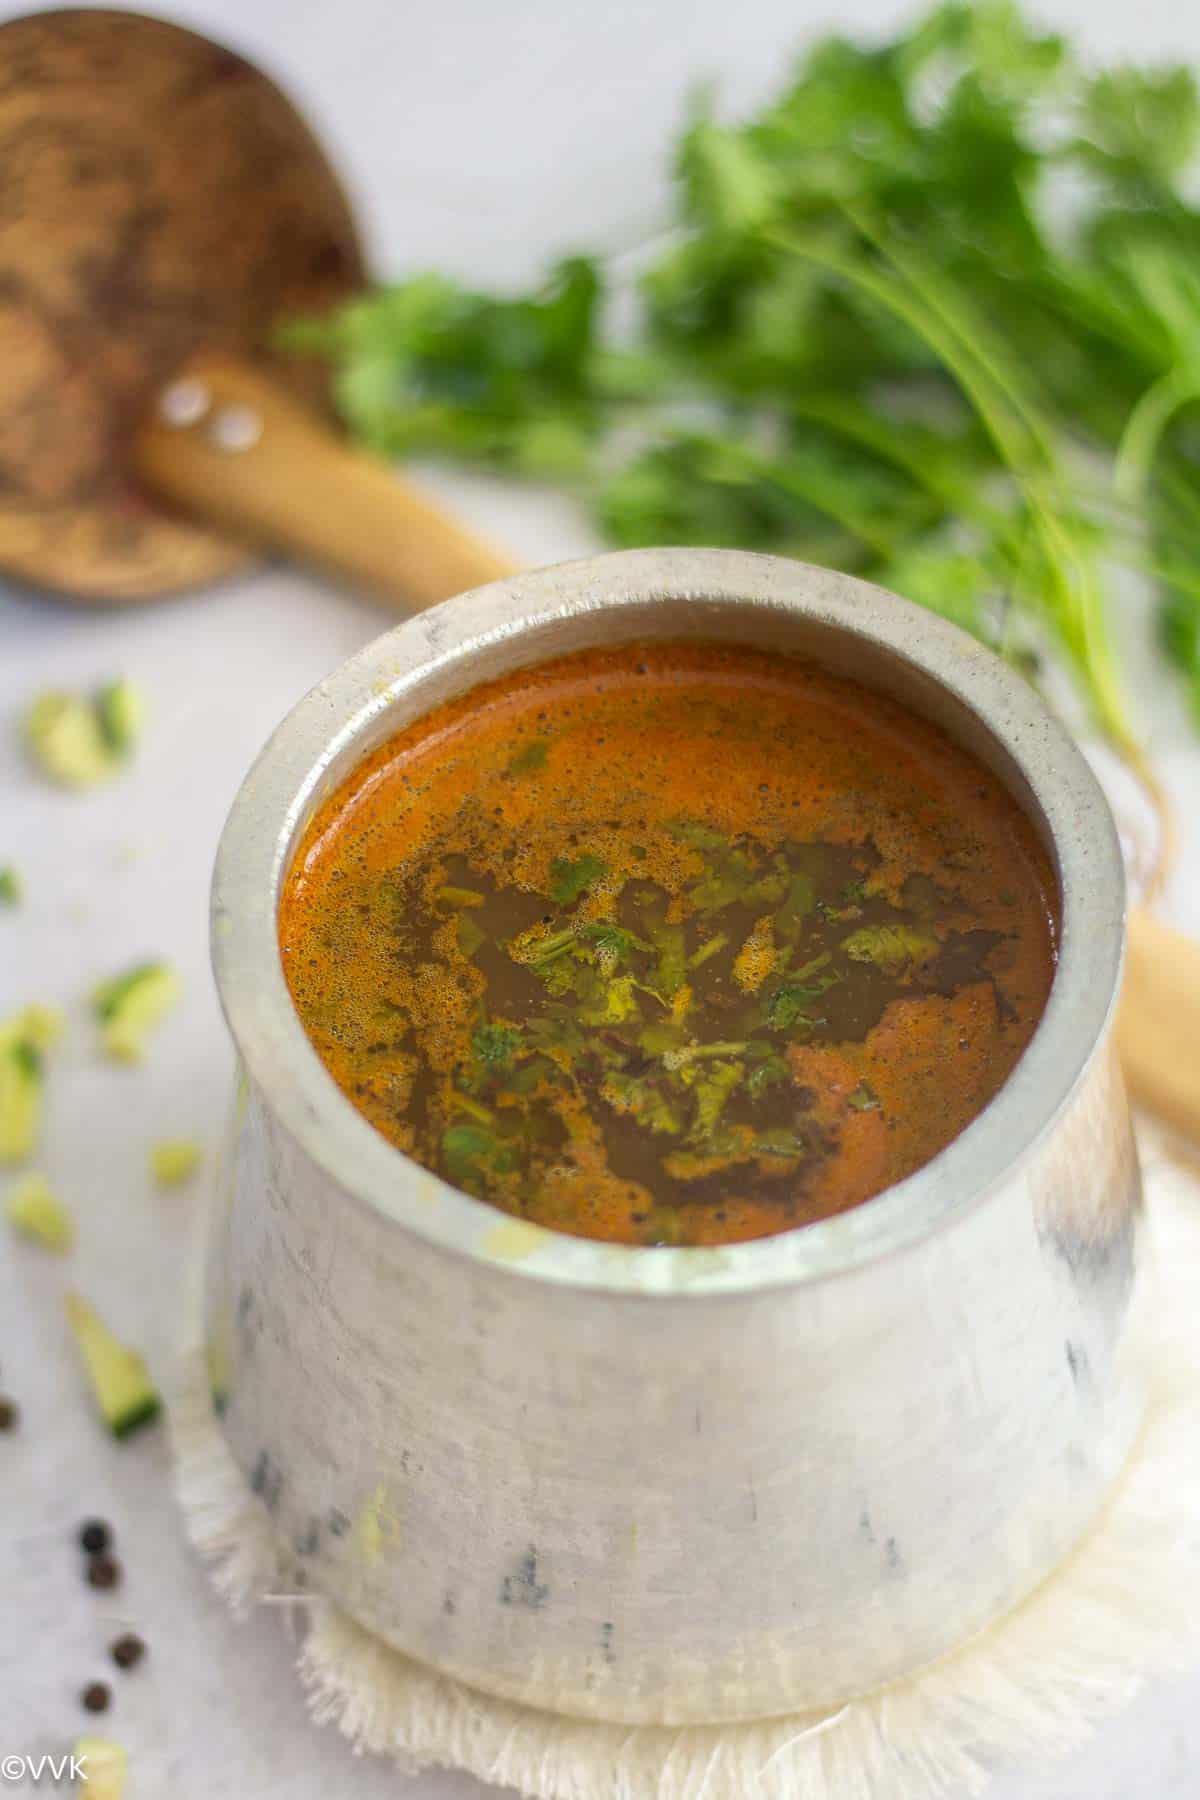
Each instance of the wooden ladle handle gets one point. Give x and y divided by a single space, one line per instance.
1158 1028
230 444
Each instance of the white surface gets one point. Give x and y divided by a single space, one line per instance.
482 137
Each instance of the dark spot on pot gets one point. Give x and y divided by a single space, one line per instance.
1078 1462
337 1521
247 1321
522 1588
266 1481
891 1555
606 1642
1092 1254
310 1541
1079 1364
449 1604
866 1530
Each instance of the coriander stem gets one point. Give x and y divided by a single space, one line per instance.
1145 426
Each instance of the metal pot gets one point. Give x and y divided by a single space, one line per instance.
677 1484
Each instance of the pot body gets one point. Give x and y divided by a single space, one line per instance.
677 1485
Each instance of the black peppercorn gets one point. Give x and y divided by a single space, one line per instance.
127 1650
95 1537
96 1696
103 1571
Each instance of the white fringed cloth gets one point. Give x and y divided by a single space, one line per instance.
1124 1606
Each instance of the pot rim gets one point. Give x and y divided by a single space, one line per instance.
276 799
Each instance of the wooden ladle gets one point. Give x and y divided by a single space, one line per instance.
164 207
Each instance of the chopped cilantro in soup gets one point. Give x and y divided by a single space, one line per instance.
670 944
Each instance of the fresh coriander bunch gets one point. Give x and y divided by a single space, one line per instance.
932 316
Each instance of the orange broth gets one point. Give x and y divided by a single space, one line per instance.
670 944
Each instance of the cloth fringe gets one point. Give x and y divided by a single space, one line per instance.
1125 1605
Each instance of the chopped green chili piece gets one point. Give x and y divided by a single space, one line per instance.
457 897
120 712
34 1209
78 742
24 1039
120 1382
175 1160
130 1006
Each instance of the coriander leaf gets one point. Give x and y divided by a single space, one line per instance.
728 877
470 937
529 1075
872 336
727 180
670 971
570 877
712 1090
645 1099
701 837
766 1074
661 1037
495 1044
429 365
800 901
894 949
473 1154
1142 122
530 757
789 1006
780 1141
612 943
616 1003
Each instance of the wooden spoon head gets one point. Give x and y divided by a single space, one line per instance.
157 193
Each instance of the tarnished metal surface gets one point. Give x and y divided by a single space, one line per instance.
676 1484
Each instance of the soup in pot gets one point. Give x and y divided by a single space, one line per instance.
671 943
